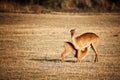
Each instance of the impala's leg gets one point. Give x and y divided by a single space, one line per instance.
79 58
62 56
95 49
82 54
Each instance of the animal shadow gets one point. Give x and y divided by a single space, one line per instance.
46 60
52 60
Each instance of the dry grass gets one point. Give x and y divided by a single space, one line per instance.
31 45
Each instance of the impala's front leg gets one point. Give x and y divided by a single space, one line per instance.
79 59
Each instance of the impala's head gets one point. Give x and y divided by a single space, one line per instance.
72 31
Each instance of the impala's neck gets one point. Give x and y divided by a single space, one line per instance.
73 40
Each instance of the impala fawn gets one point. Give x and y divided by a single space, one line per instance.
69 48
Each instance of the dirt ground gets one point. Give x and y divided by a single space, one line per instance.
31 47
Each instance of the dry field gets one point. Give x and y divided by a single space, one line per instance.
31 46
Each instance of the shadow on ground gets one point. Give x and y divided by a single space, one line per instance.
52 60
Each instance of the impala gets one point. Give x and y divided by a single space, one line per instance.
84 40
69 48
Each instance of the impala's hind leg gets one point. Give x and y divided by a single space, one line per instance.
95 49
62 55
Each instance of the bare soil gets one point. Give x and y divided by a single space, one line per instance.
31 47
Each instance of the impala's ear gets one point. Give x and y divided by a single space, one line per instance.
72 30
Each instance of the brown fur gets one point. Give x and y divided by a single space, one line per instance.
86 39
69 48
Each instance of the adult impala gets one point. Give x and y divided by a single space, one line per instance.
84 40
